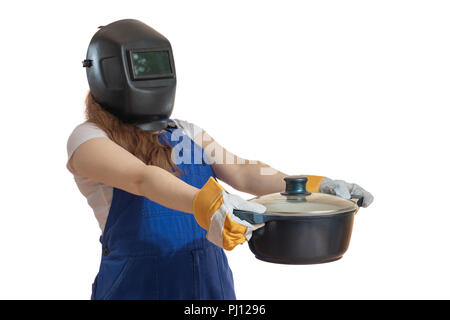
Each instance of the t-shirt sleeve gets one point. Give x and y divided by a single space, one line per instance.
81 134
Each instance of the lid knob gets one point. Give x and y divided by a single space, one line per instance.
296 185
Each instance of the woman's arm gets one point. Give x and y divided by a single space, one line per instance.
102 160
257 178
254 177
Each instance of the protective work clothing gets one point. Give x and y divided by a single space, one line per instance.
131 73
345 190
313 184
213 210
339 188
153 252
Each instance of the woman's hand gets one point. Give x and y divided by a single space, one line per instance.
345 190
213 210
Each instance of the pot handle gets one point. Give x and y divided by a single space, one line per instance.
358 200
251 217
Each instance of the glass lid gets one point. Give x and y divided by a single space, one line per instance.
296 201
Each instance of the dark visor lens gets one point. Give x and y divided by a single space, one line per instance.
151 63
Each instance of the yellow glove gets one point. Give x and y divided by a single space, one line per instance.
339 188
213 210
346 190
313 183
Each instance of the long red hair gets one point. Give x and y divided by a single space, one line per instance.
144 145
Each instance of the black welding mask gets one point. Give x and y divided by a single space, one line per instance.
131 73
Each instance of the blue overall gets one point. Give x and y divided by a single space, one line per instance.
153 252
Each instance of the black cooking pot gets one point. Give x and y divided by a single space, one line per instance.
301 227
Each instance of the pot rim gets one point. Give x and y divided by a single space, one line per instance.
257 218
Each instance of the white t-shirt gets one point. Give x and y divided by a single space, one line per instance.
98 195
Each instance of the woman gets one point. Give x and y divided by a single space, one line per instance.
151 181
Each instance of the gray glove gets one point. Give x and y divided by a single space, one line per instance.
345 190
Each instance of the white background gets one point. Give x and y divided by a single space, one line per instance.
355 90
